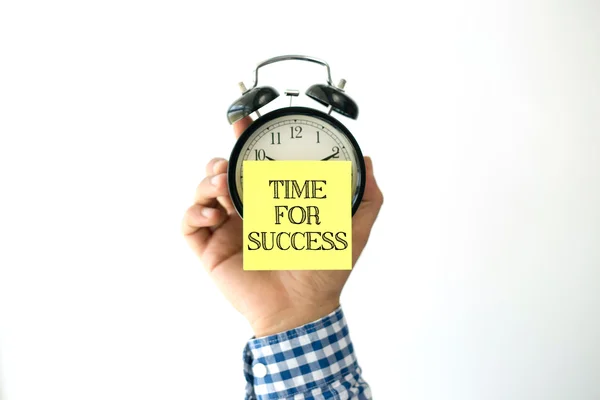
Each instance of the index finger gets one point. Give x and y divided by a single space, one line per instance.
240 126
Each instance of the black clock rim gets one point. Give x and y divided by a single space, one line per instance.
235 153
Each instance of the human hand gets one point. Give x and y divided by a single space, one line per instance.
272 301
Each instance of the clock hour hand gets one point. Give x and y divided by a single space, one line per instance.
269 158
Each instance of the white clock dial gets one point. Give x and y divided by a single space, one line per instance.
297 137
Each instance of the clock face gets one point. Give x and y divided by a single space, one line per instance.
295 133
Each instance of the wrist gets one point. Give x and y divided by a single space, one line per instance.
293 317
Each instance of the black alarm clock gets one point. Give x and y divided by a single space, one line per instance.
294 133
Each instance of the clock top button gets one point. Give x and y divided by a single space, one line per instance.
291 93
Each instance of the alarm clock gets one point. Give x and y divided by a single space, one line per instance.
294 133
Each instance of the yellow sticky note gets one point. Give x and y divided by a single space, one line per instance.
297 215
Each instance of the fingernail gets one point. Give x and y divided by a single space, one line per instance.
207 212
214 180
369 162
217 164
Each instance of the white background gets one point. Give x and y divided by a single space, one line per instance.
482 276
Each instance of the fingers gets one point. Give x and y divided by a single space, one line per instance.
210 208
199 216
218 166
210 188
198 224
240 126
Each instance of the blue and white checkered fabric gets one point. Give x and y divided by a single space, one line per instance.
314 361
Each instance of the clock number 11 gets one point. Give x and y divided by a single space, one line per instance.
273 138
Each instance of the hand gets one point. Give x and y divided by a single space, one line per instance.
328 157
332 155
272 301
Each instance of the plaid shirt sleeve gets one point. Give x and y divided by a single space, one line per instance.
314 361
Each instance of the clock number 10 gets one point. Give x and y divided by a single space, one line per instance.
260 155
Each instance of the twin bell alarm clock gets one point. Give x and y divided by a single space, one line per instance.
295 133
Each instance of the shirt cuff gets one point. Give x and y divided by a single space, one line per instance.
314 360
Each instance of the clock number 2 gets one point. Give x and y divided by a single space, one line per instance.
298 130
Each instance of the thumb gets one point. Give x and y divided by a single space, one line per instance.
367 212
372 196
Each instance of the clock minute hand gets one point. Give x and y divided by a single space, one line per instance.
328 157
269 158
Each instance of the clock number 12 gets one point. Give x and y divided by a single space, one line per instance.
298 130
